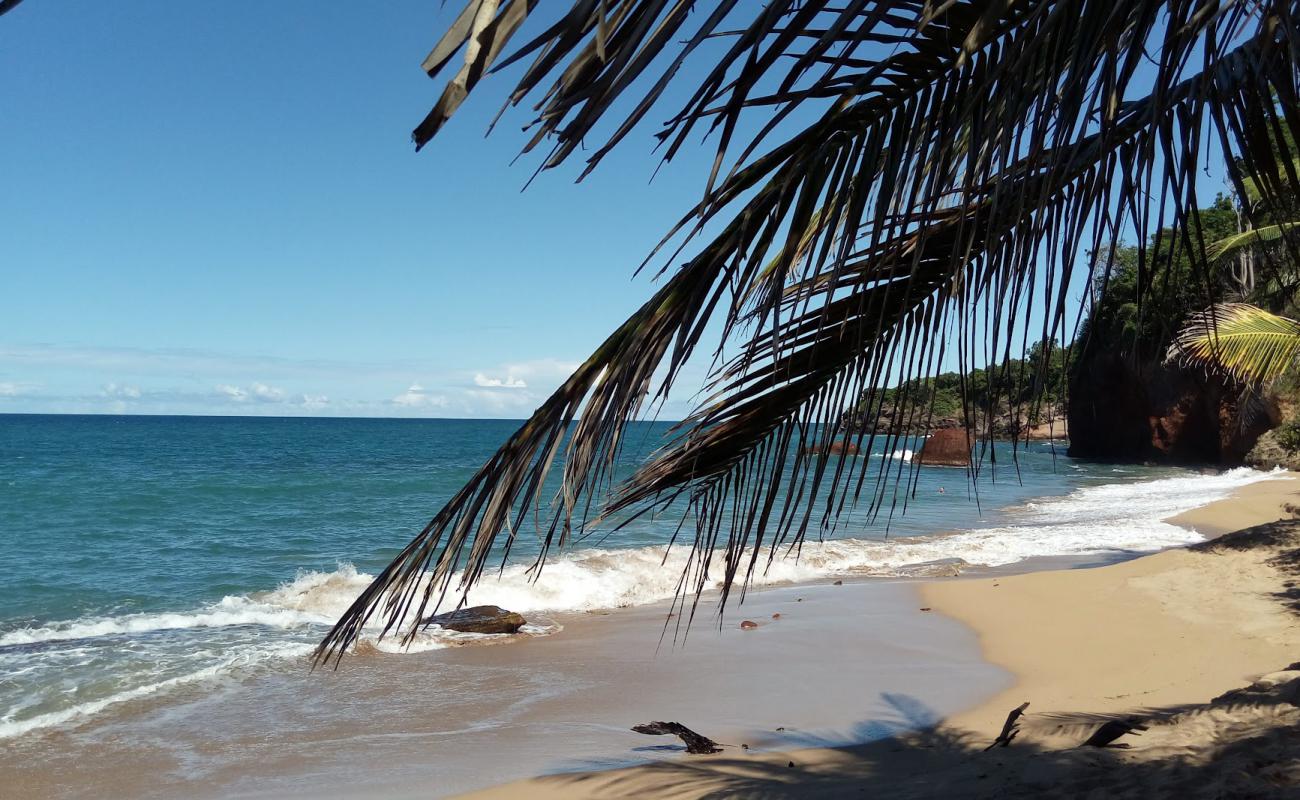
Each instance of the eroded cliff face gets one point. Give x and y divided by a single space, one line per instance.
1269 453
1145 411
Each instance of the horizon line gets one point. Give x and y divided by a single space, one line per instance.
280 416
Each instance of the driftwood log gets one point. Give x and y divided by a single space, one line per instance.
1010 728
695 743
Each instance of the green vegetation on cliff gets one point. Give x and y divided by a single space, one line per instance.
1126 400
1139 304
1012 393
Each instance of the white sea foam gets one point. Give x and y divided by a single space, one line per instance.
10 727
1125 517
1098 519
229 612
312 600
434 638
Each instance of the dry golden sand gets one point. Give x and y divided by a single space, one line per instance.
1253 504
1161 638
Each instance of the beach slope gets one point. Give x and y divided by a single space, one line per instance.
1192 644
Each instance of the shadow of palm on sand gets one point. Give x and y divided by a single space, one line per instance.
1254 751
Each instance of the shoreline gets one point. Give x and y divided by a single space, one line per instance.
560 704
849 674
1156 636
1104 639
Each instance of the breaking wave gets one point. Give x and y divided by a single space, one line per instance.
284 622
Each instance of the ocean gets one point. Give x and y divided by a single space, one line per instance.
145 557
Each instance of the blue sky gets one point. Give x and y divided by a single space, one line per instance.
216 209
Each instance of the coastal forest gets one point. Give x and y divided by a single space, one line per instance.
1120 382
1132 395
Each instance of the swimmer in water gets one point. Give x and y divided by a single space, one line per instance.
941 491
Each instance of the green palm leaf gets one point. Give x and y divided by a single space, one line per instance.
1251 184
1230 246
1245 341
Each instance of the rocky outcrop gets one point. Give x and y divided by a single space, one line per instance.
1026 422
946 448
479 619
837 447
843 447
1269 453
889 420
1125 411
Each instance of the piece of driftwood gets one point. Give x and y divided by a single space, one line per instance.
1010 729
1109 732
695 743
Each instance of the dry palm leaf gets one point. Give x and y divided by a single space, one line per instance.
894 186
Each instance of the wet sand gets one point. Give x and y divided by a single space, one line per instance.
842 665
1172 639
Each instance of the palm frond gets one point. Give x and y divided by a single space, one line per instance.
1230 246
1251 186
1245 341
950 164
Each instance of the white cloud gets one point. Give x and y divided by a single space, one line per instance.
543 370
169 362
14 388
510 404
262 393
121 391
508 382
125 380
540 373
416 397
267 394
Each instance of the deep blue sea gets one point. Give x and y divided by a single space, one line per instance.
145 553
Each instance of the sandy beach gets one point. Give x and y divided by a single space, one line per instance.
828 665
1195 644
890 686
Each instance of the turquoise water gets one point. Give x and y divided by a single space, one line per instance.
114 515
143 553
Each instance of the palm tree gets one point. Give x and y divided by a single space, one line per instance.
1244 341
894 184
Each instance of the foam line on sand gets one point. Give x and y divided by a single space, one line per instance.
1193 643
